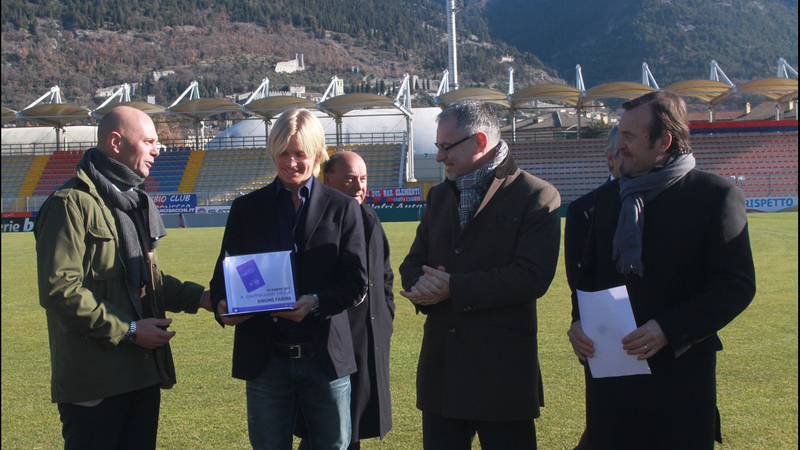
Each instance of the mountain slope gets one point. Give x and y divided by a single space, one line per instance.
230 45
677 38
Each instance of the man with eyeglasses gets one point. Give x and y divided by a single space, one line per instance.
485 250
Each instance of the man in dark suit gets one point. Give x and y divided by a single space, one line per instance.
485 250
579 213
578 220
370 320
677 239
302 357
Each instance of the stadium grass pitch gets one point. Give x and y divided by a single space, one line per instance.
756 373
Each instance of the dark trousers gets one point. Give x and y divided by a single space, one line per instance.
304 445
439 433
122 422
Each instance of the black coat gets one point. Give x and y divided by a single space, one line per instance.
576 233
332 267
698 276
371 327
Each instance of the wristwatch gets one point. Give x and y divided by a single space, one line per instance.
316 303
130 336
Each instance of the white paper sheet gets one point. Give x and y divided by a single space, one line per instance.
606 318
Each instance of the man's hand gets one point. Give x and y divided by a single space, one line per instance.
222 308
581 344
431 288
151 333
645 341
299 310
205 301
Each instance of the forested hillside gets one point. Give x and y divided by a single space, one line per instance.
230 45
677 38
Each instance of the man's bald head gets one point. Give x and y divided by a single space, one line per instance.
128 135
346 172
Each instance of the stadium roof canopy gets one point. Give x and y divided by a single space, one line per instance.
270 107
9 115
203 108
122 97
621 90
53 114
545 93
497 99
340 105
199 109
704 90
147 108
778 89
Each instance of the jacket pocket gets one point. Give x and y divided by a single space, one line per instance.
103 250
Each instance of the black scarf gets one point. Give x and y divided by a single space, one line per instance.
131 206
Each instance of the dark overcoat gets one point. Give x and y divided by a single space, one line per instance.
479 357
576 233
698 276
371 326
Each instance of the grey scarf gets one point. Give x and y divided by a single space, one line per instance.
130 206
473 186
635 193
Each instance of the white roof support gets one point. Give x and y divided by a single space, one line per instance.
647 77
716 71
55 97
195 93
262 91
512 115
404 92
579 80
444 86
510 82
124 94
333 86
784 69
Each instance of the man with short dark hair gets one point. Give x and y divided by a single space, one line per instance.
104 294
677 239
485 250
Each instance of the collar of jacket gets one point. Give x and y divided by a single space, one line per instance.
506 167
502 171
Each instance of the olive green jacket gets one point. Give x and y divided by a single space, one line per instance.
90 305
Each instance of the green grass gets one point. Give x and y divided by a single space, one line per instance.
757 371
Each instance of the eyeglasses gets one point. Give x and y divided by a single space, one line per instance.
446 148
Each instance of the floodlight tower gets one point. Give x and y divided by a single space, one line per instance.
453 6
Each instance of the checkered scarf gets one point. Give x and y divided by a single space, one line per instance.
473 186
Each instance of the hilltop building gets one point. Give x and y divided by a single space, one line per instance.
291 66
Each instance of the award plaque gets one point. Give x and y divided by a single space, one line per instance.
259 283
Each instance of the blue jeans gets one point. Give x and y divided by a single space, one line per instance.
274 397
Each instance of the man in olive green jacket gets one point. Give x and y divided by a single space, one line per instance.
105 295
